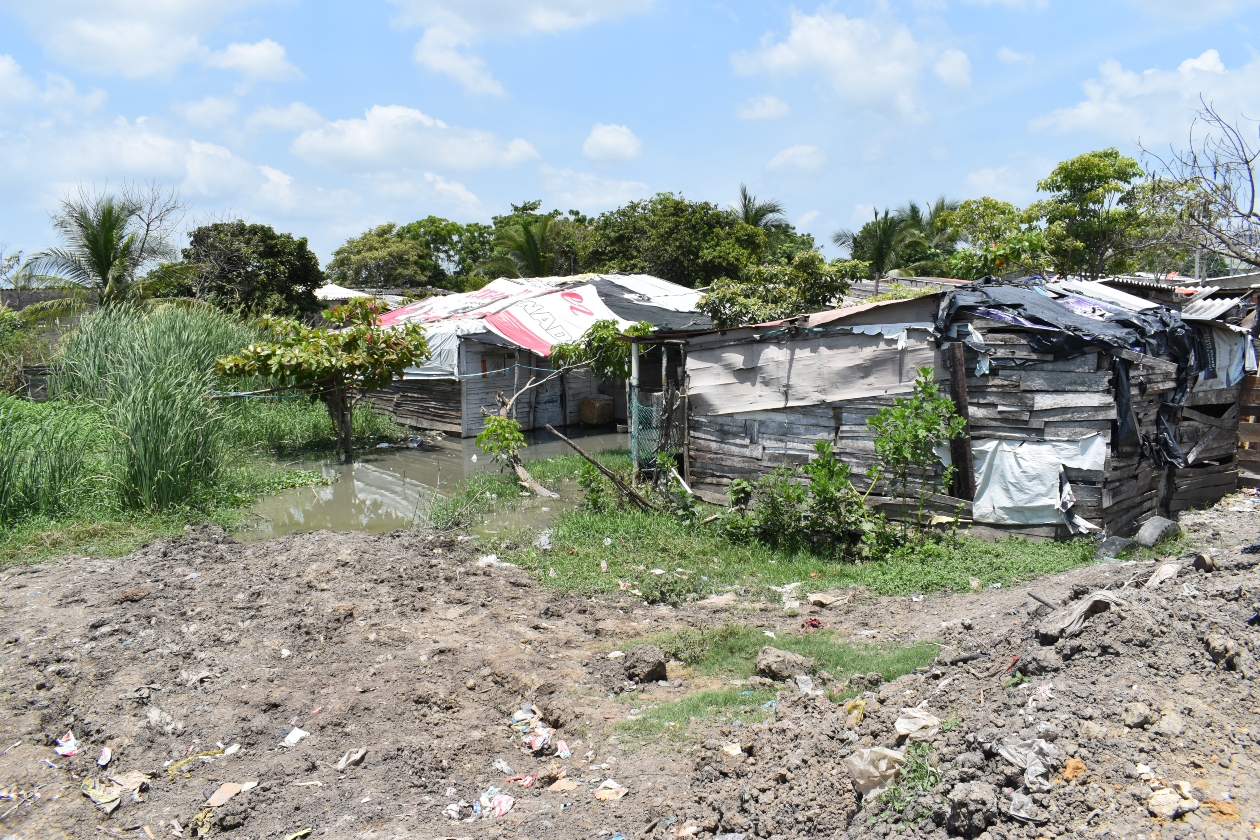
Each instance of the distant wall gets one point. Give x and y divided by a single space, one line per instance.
21 298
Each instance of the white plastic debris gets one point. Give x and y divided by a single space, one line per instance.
294 736
874 770
232 750
1165 572
67 745
917 724
1034 757
106 755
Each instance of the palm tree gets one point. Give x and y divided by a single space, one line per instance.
525 250
104 246
928 239
879 242
759 214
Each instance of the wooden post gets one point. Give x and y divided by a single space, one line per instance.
960 448
632 396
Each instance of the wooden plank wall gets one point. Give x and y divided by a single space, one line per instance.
1249 432
559 404
1040 399
421 403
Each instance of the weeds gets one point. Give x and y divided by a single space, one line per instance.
917 776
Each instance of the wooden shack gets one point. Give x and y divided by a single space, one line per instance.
1073 428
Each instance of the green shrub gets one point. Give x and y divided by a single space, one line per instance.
42 460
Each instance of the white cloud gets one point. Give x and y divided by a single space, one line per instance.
1006 55
1200 12
265 60
124 37
804 158
954 68
869 63
208 112
408 190
59 95
612 144
1156 105
447 53
1014 181
292 117
807 217
15 86
394 135
764 107
587 192
454 28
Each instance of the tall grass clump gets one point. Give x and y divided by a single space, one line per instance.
148 370
42 460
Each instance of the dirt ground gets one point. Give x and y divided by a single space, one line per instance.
411 647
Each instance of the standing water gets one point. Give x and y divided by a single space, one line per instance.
387 488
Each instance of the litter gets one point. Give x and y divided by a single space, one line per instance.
106 755
1046 691
616 654
352 758
769 633
105 797
305 832
67 745
733 750
856 710
563 785
607 541
562 750
225 792
805 685
294 735
232 750
501 804
1167 571
502 766
874 769
1022 809
810 625
820 599
451 812
917 724
524 780
1066 623
609 791
1034 758
534 731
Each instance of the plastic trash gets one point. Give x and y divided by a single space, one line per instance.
805 684
874 769
1034 757
502 766
609 791
67 745
856 710
352 758
562 750
563 785
1165 572
294 735
225 792
917 724
105 797
1066 623
106 755
451 812
535 734
232 750
501 804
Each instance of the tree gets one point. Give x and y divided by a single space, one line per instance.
758 214
253 268
107 239
1217 174
339 366
927 238
524 249
383 259
1092 219
878 242
456 249
771 291
691 243
999 237
985 220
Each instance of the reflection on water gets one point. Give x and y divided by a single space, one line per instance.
388 489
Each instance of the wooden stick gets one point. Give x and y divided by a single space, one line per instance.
960 447
1041 600
629 491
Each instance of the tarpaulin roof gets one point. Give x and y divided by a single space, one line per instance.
536 313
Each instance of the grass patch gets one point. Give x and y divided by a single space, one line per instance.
673 720
731 651
918 775
694 560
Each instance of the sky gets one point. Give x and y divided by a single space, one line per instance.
324 119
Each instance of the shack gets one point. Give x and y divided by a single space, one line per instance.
494 339
1088 409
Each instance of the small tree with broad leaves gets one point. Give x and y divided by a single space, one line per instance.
338 365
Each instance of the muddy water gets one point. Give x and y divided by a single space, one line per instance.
389 489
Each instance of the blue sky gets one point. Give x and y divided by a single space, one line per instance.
325 118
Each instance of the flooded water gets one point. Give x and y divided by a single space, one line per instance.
388 489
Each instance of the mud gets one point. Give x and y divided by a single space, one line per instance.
415 649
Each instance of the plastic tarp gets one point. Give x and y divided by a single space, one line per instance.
1230 357
491 297
539 323
657 292
332 291
1019 482
444 338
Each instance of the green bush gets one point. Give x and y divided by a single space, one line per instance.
42 460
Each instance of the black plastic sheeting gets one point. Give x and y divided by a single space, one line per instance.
1056 329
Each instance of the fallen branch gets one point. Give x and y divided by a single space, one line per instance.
628 491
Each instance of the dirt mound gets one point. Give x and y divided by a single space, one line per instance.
1144 720
392 686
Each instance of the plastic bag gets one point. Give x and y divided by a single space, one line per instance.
874 769
1033 757
917 724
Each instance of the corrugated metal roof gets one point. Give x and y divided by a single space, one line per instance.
1203 308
